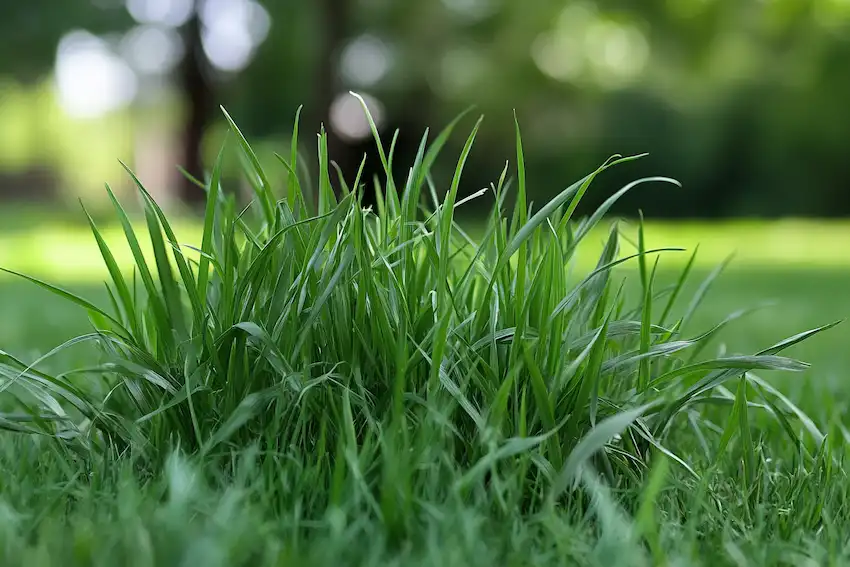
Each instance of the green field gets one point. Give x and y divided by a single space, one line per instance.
792 509
801 267
797 298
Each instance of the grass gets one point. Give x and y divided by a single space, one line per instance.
61 248
314 383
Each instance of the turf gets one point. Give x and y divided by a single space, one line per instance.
331 386
798 297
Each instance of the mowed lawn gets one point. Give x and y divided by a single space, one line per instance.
802 268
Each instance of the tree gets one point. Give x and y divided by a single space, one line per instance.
197 91
31 31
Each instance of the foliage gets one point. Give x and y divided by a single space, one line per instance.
737 100
35 28
318 378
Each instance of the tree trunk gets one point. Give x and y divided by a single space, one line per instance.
198 97
333 21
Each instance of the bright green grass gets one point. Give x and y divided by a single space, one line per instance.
372 390
801 265
65 250
33 321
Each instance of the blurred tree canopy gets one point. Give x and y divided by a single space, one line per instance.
744 101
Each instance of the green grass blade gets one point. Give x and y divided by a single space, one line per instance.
116 275
265 194
646 308
73 298
141 264
594 441
209 226
189 283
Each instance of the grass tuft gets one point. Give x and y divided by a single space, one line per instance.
318 380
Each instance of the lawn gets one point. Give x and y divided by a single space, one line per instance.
799 269
796 298
340 389
771 265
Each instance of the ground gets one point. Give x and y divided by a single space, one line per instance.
800 267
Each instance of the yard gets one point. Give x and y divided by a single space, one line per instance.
801 267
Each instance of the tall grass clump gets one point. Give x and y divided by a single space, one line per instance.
384 368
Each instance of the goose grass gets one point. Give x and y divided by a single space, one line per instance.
318 382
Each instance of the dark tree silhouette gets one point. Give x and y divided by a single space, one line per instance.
199 97
333 32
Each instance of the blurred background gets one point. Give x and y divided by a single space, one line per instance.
743 101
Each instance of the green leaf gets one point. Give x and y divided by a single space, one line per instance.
209 226
115 274
593 442
73 298
265 192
